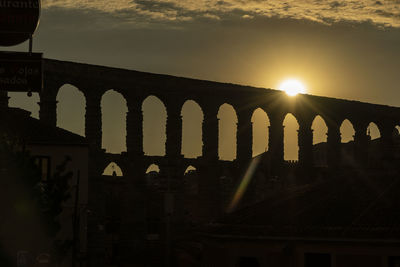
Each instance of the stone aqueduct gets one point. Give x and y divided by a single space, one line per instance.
94 81
135 87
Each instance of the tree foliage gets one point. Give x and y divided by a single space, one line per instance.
30 206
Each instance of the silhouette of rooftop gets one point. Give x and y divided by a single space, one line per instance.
18 122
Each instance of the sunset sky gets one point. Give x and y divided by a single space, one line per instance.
344 49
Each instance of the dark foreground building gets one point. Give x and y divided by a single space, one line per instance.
343 217
348 220
49 148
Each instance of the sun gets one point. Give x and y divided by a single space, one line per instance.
292 87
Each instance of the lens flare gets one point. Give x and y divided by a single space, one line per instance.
243 184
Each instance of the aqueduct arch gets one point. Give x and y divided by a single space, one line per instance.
136 86
93 81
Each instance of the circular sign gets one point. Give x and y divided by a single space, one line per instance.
18 20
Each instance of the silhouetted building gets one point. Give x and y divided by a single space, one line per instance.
351 220
50 146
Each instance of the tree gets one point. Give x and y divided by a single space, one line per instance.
30 206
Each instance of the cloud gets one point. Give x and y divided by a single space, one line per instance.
384 13
246 16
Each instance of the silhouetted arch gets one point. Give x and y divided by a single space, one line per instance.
373 131
347 131
153 168
396 130
154 199
113 110
152 175
191 181
320 130
260 121
113 169
192 122
290 139
23 101
189 169
227 132
374 147
154 126
71 109
347 152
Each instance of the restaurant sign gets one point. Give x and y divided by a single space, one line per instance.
21 72
18 20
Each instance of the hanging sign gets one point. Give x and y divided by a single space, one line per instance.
21 72
18 20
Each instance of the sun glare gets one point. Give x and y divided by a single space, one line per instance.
292 87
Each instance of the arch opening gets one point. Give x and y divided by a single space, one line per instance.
152 175
113 169
347 134
154 126
192 124
260 123
153 168
396 130
320 138
21 100
374 146
290 139
154 200
373 131
191 181
71 109
347 131
320 130
227 132
190 169
114 109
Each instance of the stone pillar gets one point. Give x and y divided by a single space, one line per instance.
174 131
244 136
387 149
209 168
361 144
93 125
210 133
134 128
276 140
334 146
305 137
48 104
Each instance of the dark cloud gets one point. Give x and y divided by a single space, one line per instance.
382 13
337 4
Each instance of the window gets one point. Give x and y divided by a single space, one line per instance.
317 260
43 162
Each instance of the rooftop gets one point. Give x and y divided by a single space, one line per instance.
18 122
